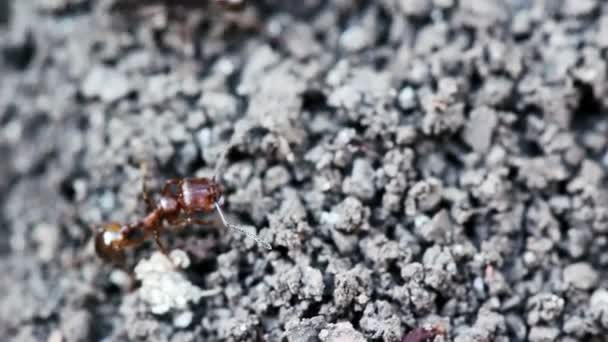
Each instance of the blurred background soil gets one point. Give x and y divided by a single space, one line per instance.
414 163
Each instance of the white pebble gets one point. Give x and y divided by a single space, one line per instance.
183 319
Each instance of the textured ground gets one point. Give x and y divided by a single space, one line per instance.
413 163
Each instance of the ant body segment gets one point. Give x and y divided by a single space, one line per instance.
181 202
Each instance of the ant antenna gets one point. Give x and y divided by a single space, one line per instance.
240 229
220 161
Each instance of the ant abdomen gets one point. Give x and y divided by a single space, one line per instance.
112 239
104 247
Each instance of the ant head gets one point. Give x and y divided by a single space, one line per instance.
217 192
106 239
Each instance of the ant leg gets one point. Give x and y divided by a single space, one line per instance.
177 223
181 223
143 167
159 244
201 222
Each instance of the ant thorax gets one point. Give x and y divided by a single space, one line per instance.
168 204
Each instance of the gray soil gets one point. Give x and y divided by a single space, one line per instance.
414 163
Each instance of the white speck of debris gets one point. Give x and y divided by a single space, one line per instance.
12 131
47 238
80 189
323 334
529 258
204 137
225 66
599 298
330 218
354 39
163 287
106 201
345 96
407 98
581 275
182 319
421 220
180 258
119 278
340 332
107 84
55 336
362 299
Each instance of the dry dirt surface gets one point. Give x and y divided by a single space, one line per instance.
415 164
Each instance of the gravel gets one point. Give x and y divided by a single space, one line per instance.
417 166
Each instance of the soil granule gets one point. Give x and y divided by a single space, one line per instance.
427 164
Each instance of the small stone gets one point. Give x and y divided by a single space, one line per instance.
48 239
599 306
76 325
341 332
438 230
416 8
190 86
407 135
195 120
423 196
55 336
543 334
107 201
581 275
544 307
107 84
306 329
479 129
599 298
407 98
120 278
183 319
275 178
522 23
351 214
180 258
312 284
355 38
591 172
602 35
579 7
412 272
361 181
219 105
345 96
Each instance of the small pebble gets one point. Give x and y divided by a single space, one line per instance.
183 319
407 98
581 275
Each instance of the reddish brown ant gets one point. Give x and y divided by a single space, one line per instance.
180 202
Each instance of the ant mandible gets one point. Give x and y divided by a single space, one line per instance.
181 200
